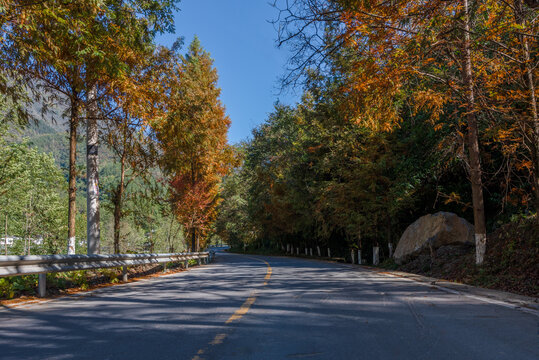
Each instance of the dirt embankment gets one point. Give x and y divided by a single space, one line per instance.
511 263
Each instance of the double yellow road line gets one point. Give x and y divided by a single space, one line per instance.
238 314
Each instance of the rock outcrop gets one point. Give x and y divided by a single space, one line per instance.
430 232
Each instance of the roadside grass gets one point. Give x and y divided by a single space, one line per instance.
389 264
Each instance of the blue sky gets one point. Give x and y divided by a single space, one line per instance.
242 43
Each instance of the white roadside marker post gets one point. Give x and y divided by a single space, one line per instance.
375 255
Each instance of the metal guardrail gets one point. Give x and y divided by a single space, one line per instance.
37 264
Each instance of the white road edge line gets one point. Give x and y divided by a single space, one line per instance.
475 297
441 288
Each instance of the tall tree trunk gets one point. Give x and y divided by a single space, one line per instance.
72 206
519 16
29 225
118 202
473 146
193 240
151 240
92 174
27 229
5 239
169 236
389 243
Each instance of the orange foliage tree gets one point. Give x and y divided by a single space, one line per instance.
193 139
446 58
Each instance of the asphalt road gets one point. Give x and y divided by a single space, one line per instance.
268 308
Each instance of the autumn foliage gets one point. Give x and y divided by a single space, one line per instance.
192 136
409 107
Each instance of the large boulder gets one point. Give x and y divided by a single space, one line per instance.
432 231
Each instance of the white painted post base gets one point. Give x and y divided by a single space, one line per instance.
480 248
305 251
311 251
375 255
287 248
329 253
353 256
71 246
318 250
359 257
42 285
297 251
390 246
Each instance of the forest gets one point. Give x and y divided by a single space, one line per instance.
146 142
408 108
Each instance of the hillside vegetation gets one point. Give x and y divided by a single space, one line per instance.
409 108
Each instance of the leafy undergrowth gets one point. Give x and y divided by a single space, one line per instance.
75 281
511 263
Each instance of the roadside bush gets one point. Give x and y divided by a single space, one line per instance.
17 285
6 290
79 278
111 274
57 280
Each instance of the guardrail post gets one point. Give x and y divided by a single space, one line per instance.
186 264
359 257
42 285
165 267
353 255
124 273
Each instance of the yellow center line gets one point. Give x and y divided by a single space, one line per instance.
243 309
218 339
238 314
